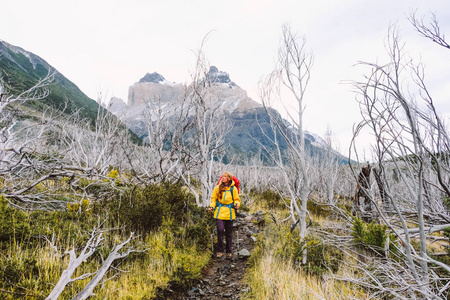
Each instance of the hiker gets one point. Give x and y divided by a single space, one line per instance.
224 202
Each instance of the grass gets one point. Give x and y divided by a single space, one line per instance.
167 262
172 254
173 258
275 273
276 278
144 278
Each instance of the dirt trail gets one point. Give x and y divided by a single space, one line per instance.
223 279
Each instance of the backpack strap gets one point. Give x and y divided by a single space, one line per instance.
230 206
232 196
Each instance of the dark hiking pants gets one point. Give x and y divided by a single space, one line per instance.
224 226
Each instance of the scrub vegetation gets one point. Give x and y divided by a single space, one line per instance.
172 235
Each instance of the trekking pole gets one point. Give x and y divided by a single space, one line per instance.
212 243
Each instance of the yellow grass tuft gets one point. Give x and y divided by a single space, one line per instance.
274 275
276 278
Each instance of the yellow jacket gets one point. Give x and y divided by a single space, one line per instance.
223 208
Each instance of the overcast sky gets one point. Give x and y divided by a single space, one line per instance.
109 45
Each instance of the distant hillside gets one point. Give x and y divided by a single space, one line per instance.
21 69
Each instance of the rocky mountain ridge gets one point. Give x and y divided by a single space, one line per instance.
153 92
154 87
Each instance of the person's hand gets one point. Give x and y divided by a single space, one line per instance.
236 205
210 209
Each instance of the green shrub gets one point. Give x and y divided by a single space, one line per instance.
446 201
258 250
372 236
10 270
199 229
25 271
317 209
272 199
142 209
447 235
15 269
244 208
320 257
14 224
185 273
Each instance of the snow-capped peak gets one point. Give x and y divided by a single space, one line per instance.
216 76
153 77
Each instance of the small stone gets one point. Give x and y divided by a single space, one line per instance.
253 239
244 253
192 291
248 230
227 295
241 214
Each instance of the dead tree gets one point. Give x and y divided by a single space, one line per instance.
162 154
94 242
326 165
292 73
431 31
113 255
34 155
412 142
210 125
378 174
75 261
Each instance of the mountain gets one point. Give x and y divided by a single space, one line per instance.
154 77
21 70
247 116
216 76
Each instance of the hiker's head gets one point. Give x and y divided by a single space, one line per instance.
226 177
225 182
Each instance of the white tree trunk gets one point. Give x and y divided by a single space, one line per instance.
113 255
